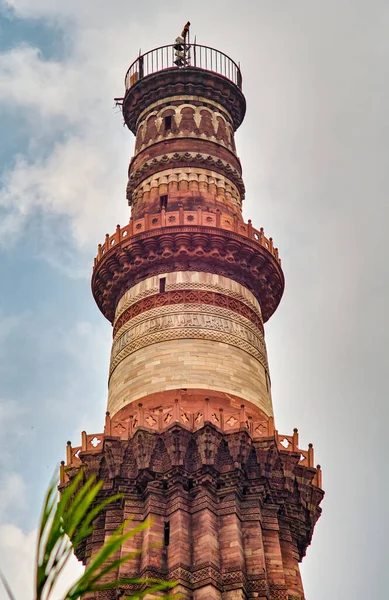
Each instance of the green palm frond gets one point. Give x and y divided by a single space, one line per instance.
64 525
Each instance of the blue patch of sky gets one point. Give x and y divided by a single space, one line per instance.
37 369
51 40
16 138
54 44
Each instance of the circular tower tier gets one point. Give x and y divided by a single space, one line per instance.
189 438
184 120
187 284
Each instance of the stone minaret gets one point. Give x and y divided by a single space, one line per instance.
189 435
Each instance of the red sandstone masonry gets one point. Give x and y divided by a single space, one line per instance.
233 503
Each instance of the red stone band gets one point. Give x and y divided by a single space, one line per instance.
188 297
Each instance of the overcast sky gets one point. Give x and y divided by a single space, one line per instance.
314 149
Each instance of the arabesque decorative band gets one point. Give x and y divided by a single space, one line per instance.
202 309
188 280
189 321
175 297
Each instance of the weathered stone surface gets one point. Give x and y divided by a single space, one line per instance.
238 525
189 439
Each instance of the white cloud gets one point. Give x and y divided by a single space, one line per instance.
13 497
17 552
314 150
46 87
71 166
75 181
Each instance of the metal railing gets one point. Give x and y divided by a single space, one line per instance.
198 56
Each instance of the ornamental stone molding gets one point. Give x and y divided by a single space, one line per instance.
188 321
187 120
183 83
221 476
187 280
174 160
187 297
131 258
189 439
204 186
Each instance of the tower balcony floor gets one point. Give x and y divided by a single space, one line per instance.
209 241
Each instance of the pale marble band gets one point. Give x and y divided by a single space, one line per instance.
188 345
189 280
189 363
188 321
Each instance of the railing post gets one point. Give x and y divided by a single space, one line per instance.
221 416
251 425
319 476
242 416
62 472
239 78
141 415
206 410
160 419
310 455
295 442
140 63
130 426
108 423
176 411
69 453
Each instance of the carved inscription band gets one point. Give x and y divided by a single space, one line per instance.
188 280
185 297
188 321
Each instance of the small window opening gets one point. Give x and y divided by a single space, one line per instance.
166 533
168 123
162 285
163 201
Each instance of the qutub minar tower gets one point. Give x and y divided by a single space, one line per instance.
189 436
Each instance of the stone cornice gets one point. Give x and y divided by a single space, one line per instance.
187 248
183 296
183 82
187 241
287 494
184 159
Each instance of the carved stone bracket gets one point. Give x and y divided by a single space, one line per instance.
214 476
175 248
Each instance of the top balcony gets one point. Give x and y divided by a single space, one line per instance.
196 56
